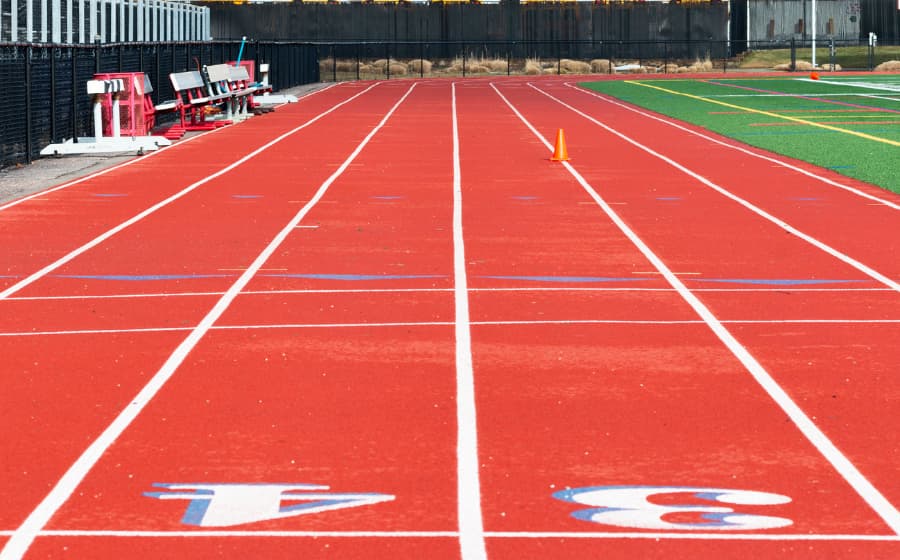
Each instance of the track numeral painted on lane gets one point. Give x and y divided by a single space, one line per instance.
631 506
227 505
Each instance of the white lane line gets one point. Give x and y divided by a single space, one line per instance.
471 526
23 537
774 290
741 149
35 196
206 534
868 271
103 237
473 323
829 451
127 163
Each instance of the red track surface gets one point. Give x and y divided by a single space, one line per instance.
339 362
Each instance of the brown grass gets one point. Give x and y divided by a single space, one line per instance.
533 67
420 65
568 66
601 66
398 69
670 68
889 66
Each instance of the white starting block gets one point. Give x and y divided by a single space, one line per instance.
98 144
270 98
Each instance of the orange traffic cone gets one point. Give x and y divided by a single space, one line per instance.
814 76
559 151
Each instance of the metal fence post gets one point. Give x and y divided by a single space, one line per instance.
97 56
793 54
52 52
28 109
74 116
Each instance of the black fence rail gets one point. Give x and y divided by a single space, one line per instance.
340 61
43 98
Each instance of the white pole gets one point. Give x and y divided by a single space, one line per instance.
14 21
69 26
814 33
44 21
29 21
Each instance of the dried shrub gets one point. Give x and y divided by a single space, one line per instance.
533 67
398 69
601 66
495 64
568 66
476 68
889 66
670 68
420 65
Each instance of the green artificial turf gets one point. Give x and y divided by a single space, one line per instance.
727 107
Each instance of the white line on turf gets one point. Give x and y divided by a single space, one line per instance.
24 536
776 161
471 526
867 270
111 232
847 470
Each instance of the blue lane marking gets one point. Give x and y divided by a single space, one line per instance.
773 281
565 278
245 196
357 277
842 167
668 198
109 195
524 198
804 198
139 277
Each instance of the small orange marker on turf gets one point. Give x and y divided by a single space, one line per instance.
559 151
814 76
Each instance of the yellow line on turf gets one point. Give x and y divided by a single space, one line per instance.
768 114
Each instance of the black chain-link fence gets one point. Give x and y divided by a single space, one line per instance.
43 97
340 61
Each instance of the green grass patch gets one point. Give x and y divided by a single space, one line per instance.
856 57
836 124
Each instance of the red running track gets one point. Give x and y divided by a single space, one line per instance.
322 352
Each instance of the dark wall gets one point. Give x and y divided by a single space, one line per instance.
881 17
581 21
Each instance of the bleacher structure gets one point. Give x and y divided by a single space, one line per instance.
104 21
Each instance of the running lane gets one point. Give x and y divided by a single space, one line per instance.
859 226
87 208
615 384
299 385
809 291
79 344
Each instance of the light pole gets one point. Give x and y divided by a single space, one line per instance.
814 33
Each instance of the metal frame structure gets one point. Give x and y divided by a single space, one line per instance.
104 21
